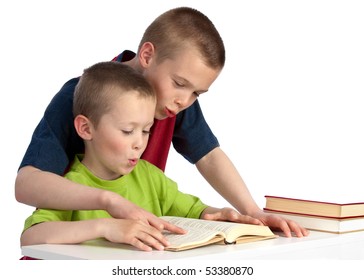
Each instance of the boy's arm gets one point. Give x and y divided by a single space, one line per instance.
132 232
227 214
220 172
56 191
60 193
60 232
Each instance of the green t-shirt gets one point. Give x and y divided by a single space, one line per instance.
146 186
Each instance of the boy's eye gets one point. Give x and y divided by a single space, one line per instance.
178 84
146 132
127 132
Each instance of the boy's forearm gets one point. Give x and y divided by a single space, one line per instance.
47 190
62 232
221 174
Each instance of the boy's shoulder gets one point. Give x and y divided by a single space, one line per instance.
147 166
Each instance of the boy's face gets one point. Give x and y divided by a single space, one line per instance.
179 81
120 137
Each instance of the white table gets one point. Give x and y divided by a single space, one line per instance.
318 245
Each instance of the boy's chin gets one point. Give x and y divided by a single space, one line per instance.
159 117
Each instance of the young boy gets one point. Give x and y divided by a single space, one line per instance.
114 110
180 54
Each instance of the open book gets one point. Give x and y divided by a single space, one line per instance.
204 232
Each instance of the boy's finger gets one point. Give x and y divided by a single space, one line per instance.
164 225
248 220
173 228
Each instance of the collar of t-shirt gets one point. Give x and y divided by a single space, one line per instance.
124 56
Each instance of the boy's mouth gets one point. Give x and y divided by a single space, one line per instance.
169 113
133 161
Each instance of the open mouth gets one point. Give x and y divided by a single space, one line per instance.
133 161
169 113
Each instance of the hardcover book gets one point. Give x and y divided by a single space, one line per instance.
333 225
315 208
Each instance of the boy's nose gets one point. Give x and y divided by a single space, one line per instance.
184 102
138 142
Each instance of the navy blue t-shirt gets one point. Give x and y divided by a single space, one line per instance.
55 141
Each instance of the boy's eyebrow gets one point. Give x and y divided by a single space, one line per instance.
136 123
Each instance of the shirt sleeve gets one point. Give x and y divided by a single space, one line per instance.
55 141
192 137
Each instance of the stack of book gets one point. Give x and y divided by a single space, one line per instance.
318 215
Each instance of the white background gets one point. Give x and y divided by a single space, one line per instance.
287 108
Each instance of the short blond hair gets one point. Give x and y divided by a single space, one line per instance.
185 27
94 92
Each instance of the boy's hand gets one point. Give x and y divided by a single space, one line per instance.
133 232
121 208
229 215
273 221
277 222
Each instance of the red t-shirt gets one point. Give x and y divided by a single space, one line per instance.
159 142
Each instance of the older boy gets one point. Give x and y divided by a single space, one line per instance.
180 54
114 110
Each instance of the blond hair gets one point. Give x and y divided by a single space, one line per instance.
94 93
185 27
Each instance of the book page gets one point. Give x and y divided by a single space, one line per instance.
198 232
192 237
187 223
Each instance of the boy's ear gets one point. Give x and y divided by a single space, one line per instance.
146 54
83 127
